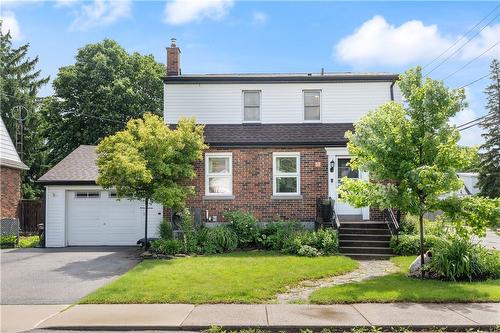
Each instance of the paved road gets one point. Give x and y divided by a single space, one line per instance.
60 276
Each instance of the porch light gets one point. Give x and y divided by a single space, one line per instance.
332 165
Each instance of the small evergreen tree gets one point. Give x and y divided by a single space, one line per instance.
489 171
20 82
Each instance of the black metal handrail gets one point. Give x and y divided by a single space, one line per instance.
392 221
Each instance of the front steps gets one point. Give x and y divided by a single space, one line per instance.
365 240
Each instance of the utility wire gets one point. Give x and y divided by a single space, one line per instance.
463 36
470 122
461 47
476 80
467 64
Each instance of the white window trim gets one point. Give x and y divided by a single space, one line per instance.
320 106
243 107
87 194
280 174
207 174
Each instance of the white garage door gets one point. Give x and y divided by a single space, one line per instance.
97 218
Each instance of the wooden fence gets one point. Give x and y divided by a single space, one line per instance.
30 216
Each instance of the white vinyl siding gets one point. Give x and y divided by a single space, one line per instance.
218 174
280 102
286 174
55 217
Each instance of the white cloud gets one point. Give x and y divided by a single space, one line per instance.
100 12
488 37
65 3
10 23
377 42
259 18
179 12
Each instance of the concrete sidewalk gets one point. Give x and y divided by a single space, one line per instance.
274 316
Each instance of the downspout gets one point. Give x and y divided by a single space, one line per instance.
392 90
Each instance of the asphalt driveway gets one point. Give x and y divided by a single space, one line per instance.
60 276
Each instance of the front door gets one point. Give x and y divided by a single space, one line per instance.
342 170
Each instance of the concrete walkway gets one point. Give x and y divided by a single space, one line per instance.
273 316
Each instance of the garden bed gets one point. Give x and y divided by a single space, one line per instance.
239 277
398 287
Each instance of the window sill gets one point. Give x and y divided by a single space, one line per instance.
287 197
218 197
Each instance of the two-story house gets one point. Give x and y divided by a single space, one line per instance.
276 146
276 140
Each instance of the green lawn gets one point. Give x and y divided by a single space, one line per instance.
241 277
397 287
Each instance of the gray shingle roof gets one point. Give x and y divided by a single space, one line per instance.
277 134
78 166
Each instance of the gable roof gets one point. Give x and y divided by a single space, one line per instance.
79 167
234 135
282 77
8 153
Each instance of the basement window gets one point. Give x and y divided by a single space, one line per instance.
87 194
218 174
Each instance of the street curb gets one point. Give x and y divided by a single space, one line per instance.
284 328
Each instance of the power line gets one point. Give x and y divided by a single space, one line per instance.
463 129
458 40
470 122
476 80
461 47
467 64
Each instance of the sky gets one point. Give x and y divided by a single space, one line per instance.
226 36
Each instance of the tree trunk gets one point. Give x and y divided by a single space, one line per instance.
421 223
146 243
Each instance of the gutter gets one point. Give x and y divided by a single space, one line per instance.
392 89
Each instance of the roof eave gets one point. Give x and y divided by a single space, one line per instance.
65 182
13 164
280 79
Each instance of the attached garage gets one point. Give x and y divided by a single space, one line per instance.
80 213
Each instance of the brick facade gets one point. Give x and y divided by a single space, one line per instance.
253 187
10 192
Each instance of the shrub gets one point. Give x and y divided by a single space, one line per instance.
274 235
28 241
325 241
245 227
405 245
308 251
410 226
165 230
456 259
167 246
217 240
7 241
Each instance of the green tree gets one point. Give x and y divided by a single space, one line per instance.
151 162
95 97
412 155
20 82
489 171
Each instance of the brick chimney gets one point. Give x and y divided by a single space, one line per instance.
173 59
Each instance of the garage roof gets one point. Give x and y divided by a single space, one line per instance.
78 167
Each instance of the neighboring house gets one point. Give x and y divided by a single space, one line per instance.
11 167
78 212
276 140
470 180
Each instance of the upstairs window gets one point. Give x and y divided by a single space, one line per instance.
218 174
251 106
312 105
286 173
